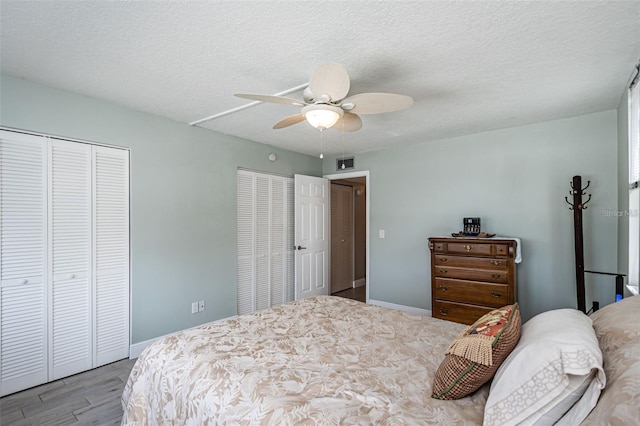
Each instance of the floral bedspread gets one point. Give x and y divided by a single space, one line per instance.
322 360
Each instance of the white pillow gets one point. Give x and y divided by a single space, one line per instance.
554 374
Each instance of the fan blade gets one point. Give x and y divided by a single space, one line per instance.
270 98
376 103
330 79
289 121
349 121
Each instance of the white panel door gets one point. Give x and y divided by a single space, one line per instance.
70 328
23 261
111 249
311 236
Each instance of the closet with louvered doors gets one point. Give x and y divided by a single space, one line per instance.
64 258
265 229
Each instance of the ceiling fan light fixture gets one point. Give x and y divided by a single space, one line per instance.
322 116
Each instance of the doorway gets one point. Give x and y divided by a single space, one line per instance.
349 217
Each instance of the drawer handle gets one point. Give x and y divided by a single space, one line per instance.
496 262
495 276
443 271
468 247
443 259
444 313
496 294
443 288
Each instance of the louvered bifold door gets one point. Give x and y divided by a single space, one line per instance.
291 224
263 241
278 241
23 254
70 230
111 254
246 240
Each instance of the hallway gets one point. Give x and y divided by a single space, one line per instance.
358 293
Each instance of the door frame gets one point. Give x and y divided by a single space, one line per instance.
349 175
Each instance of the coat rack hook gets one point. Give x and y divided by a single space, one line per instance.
584 205
583 189
570 208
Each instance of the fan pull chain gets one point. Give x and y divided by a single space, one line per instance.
321 144
343 166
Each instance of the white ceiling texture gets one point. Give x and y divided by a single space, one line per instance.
471 66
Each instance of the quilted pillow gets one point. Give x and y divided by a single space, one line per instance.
473 358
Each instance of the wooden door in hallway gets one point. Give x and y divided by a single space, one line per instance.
341 237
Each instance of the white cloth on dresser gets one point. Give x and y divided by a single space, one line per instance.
518 258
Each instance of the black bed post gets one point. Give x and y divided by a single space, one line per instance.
577 206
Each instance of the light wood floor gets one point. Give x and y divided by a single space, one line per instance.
89 398
358 293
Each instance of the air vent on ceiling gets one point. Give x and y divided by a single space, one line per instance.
345 163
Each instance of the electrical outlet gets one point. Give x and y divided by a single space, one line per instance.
201 306
194 307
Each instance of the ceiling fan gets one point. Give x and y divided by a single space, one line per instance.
326 103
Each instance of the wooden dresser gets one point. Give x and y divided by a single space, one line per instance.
471 276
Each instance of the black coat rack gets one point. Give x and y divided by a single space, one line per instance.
577 206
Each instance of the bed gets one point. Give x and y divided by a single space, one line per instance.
329 360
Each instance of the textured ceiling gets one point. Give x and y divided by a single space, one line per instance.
470 66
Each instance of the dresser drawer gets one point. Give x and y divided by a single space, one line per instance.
491 276
439 247
501 249
470 262
470 248
458 312
493 295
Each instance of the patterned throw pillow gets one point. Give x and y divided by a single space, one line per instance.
473 358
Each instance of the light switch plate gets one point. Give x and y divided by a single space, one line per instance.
381 233
201 306
194 307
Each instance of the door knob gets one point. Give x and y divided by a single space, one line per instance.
300 248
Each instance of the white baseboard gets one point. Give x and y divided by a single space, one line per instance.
360 282
410 309
136 349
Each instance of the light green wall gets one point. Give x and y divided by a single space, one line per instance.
514 179
623 185
183 198
183 202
